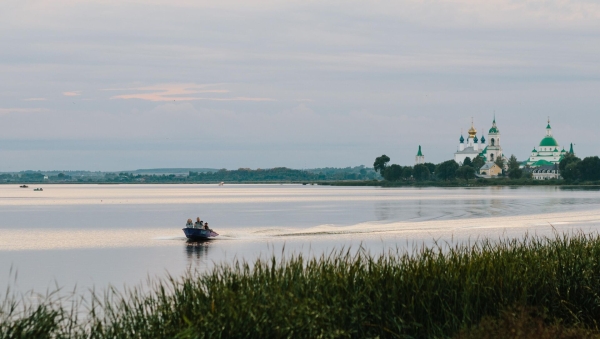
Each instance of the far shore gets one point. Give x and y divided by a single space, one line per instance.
371 183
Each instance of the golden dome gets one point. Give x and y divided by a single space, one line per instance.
472 131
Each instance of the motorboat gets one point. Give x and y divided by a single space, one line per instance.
24 186
38 189
197 232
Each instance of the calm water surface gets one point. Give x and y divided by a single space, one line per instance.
96 235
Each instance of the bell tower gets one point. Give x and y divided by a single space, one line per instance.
494 150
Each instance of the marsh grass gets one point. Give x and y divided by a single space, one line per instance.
428 293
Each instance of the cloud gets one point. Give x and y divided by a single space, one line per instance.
180 92
72 94
20 110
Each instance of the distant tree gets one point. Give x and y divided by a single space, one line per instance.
514 172
465 172
61 175
566 160
407 172
421 172
380 163
446 170
430 166
477 163
513 163
590 168
571 172
392 173
467 162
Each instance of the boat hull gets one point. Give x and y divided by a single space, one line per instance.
199 234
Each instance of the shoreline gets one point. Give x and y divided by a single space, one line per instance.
344 183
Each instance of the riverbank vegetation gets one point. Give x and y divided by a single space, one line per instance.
449 173
450 291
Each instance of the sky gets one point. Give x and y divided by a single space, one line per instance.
120 85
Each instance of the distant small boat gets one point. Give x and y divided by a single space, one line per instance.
221 183
38 189
24 186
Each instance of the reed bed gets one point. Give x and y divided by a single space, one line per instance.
428 293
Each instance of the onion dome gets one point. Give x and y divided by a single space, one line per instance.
555 149
472 131
462 139
563 150
482 139
548 141
534 150
475 139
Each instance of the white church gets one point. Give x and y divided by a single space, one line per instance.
474 147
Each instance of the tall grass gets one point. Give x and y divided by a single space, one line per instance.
429 293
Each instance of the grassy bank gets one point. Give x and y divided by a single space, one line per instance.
431 293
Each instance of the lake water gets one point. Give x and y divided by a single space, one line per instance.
96 235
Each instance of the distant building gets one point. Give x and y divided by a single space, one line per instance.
490 169
472 148
493 150
547 153
420 158
545 172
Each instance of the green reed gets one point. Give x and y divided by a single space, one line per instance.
428 293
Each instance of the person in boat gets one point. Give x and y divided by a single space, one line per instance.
198 223
189 223
206 226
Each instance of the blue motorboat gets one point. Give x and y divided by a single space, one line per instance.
199 234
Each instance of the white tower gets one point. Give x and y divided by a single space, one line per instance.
494 150
420 158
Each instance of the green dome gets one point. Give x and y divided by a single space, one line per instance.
548 141
493 130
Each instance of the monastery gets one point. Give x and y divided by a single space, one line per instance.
542 163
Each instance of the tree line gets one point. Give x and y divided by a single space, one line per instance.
277 174
571 168
447 170
575 169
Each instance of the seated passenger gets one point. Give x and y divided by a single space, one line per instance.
198 223
206 226
189 223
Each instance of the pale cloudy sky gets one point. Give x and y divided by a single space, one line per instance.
116 85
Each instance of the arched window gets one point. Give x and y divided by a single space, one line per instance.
492 141
492 156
